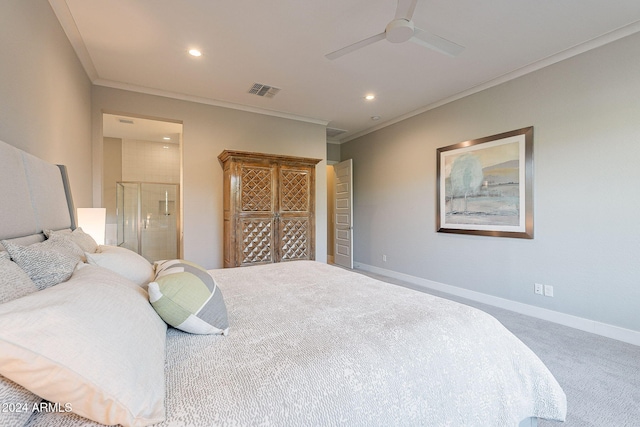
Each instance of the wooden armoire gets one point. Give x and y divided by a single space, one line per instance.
269 208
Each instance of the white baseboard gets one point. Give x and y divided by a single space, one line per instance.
598 328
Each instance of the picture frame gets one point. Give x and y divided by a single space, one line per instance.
485 186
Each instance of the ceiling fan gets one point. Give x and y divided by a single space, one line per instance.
401 29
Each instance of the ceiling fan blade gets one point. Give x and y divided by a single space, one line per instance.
353 47
434 42
405 9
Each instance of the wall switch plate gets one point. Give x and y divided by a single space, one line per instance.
548 290
537 288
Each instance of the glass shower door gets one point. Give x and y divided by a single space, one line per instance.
148 219
127 214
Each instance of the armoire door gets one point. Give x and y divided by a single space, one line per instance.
295 220
256 219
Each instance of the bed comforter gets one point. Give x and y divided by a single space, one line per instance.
315 345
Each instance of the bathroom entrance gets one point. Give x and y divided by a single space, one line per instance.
141 185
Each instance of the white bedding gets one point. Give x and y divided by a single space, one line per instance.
314 345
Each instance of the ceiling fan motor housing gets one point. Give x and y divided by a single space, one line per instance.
399 30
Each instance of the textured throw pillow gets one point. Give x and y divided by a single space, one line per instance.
93 343
17 403
14 282
62 243
49 233
124 262
187 298
78 236
46 265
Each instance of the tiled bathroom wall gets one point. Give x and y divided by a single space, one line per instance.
148 161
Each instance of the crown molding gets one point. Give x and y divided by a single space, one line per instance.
62 12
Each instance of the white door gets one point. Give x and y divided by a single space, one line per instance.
343 231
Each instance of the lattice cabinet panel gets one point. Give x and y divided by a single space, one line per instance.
269 208
294 190
256 189
294 239
257 240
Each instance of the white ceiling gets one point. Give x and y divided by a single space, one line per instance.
121 126
142 45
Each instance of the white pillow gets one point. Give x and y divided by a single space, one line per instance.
80 343
124 262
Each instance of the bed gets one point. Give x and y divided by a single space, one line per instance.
305 343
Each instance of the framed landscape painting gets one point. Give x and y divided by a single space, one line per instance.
485 186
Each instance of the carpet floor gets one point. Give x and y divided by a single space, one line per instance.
600 376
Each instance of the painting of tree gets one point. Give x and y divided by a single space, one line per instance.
484 184
466 178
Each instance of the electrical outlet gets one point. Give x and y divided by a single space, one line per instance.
548 290
384 258
537 288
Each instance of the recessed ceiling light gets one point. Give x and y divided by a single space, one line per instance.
166 138
375 118
195 52
166 146
370 97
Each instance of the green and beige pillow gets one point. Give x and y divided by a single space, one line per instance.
186 297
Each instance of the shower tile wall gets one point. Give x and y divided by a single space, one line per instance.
147 161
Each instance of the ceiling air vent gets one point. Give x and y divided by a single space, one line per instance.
126 121
264 90
334 133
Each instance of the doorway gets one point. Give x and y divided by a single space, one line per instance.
142 183
343 227
340 213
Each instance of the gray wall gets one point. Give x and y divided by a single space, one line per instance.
586 117
207 131
45 95
333 153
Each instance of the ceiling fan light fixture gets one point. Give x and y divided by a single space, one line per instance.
399 30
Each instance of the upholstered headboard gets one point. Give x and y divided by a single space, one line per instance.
34 196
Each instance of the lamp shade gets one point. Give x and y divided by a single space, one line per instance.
93 222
